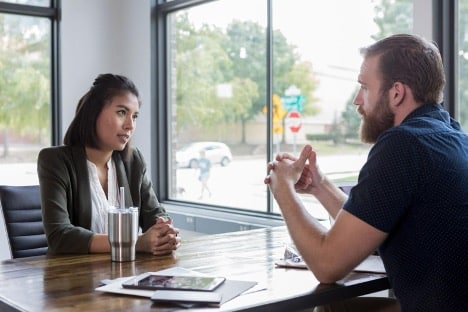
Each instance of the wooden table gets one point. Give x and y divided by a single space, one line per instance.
67 283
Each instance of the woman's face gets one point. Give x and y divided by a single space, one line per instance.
117 122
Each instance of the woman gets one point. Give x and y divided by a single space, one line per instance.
82 178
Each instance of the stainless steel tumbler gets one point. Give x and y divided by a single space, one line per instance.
123 233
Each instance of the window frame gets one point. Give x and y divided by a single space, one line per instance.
443 32
159 94
53 14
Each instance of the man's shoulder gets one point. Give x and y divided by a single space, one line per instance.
397 136
417 127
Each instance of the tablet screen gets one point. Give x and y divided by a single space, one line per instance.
158 281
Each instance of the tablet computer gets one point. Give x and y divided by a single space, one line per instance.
187 296
154 281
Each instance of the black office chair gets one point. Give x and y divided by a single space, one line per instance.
21 207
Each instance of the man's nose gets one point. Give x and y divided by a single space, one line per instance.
358 99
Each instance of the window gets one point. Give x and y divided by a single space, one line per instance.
232 80
217 65
462 59
44 3
25 95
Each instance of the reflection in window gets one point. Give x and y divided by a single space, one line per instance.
218 90
24 95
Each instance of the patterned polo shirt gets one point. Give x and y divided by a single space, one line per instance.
414 186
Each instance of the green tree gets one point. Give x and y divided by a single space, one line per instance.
208 58
200 65
250 37
245 43
24 78
393 17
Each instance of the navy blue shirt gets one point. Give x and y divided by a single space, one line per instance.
414 186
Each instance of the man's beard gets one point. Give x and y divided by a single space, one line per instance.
373 124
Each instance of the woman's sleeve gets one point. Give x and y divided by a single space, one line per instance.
150 207
57 195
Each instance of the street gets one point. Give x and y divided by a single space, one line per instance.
238 185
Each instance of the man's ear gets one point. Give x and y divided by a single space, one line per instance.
397 94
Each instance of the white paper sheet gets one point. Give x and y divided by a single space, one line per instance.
229 289
292 259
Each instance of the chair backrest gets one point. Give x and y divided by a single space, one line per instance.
21 207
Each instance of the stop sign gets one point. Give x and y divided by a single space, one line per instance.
293 120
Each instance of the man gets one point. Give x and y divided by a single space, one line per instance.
411 198
204 167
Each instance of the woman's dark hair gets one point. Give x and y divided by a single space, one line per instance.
412 60
82 129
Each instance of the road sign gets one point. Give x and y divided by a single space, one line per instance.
293 120
293 102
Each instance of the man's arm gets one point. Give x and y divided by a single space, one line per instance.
329 254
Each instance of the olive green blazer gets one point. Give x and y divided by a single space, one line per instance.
66 195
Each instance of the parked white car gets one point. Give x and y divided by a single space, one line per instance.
216 152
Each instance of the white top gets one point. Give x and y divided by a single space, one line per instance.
99 202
